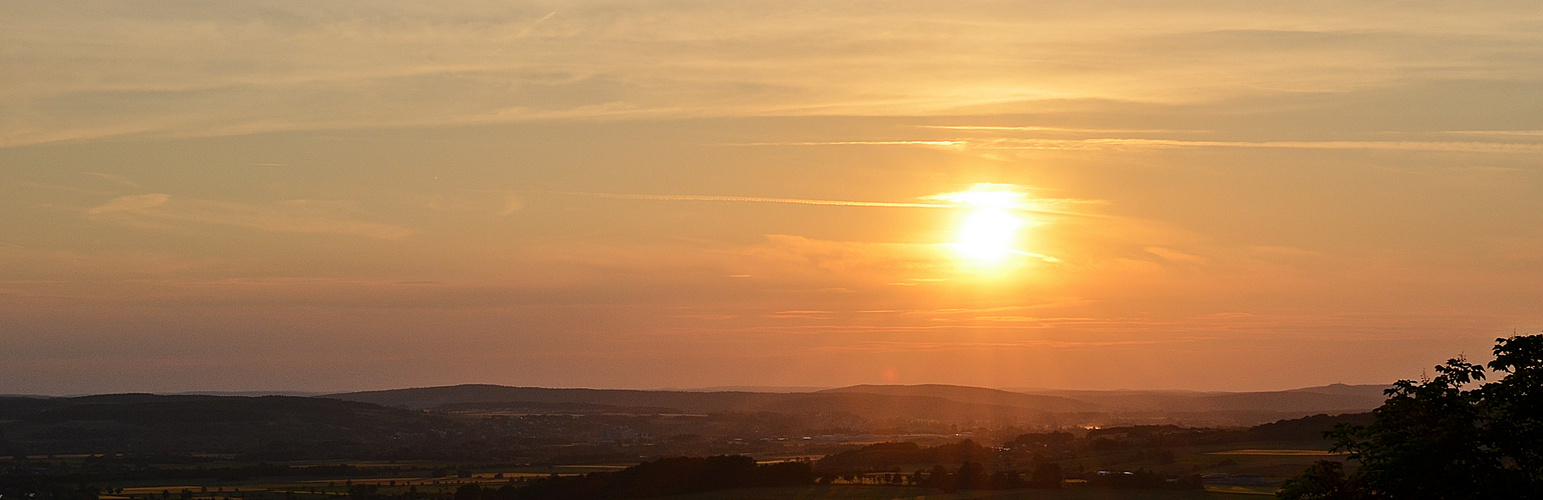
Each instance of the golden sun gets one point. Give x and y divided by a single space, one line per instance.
988 233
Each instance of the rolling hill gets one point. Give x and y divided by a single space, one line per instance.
978 395
950 403
863 404
1330 398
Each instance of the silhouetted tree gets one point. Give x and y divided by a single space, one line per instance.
1433 439
1515 408
1047 475
1325 480
468 492
972 476
1007 480
942 479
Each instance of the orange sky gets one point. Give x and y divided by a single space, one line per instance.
356 195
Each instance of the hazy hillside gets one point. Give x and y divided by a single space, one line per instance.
867 405
980 395
146 423
1325 399
913 402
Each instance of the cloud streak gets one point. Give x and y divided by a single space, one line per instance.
945 144
1039 210
78 72
1108 143
1037 128
761 199
161 211
135 203
1115 143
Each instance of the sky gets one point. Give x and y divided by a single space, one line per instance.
351 195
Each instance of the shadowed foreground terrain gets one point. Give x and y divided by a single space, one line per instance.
262 427
896 493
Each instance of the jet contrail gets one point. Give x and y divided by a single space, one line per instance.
758 199
951 144
803 201
1033 128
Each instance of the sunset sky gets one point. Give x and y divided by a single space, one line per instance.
327 196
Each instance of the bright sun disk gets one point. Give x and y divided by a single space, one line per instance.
987 235
988 232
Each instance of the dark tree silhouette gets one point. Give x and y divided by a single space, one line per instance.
1047 475
1516 406
1434 439
1325 480
468 492
973 476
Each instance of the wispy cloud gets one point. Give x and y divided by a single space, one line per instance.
115 179
161 211
1118 143
944 144
1043 206
903 346
1503 133
526 32
1172 255
93 72
135 203
1038 128
1110 143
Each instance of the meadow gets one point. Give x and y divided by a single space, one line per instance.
863 492
1271 461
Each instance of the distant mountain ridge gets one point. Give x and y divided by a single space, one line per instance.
868 405
1330 398
922 402
980 395
448 421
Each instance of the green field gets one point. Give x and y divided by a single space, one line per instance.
1273 462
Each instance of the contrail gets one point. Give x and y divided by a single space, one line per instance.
1043 257
533 25
758 199
1079 144
803 201
950 143
1035 128
1116 142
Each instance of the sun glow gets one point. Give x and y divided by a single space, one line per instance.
999 196
988 232
987 235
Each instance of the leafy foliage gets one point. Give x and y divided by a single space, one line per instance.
1325 480
1436 439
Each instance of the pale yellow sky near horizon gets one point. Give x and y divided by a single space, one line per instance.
362 195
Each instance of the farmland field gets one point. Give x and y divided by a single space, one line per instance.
859 492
